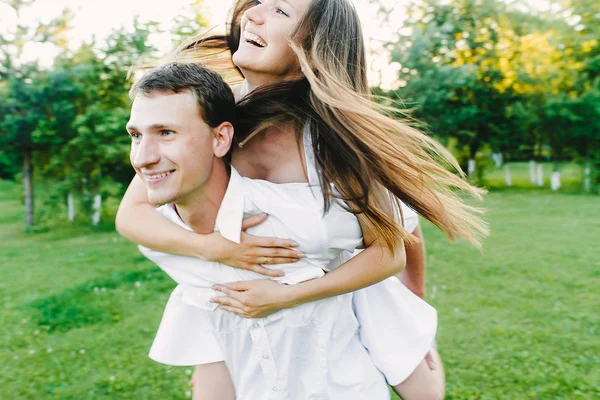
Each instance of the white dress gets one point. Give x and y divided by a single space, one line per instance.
317 350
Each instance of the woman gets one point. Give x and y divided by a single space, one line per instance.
319 76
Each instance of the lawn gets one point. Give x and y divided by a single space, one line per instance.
518 320
571 176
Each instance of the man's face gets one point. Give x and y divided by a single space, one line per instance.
171 146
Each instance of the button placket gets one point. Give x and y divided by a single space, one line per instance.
262 348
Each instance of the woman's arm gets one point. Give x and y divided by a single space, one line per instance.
139 222
370 266
259 298
413 276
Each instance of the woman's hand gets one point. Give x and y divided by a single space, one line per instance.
253 252
254 299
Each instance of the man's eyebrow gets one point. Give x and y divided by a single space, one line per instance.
157 127
154 127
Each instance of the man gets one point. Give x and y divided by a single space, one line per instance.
181 132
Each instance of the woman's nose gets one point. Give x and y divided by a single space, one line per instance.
255 14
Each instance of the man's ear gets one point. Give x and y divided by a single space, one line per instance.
223 137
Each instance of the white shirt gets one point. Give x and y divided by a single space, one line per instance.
310 351
316 350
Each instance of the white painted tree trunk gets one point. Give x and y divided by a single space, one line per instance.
539 176
498 159
587 172
28 187
507 176
555 180
96 208
70 207
532 177
471 168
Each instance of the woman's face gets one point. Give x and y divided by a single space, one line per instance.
264 52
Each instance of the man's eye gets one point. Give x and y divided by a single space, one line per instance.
135 136
166 132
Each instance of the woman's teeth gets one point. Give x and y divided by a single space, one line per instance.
254 39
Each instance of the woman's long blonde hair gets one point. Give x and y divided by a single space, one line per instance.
359 148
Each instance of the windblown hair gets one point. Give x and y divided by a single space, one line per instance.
370 158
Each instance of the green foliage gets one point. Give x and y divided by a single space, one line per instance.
449 64
518 79
70 120
189 22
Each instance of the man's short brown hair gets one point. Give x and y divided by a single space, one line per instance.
216 103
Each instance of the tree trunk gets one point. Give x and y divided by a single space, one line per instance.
587 172
555 180
96 207
532 177
28 187
498 159
507 175
540 175
555 177
70 207
471 168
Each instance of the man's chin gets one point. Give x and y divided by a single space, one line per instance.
159 200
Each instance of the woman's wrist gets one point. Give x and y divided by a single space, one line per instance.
200 245
293 296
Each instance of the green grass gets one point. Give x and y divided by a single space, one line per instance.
571 176
517 321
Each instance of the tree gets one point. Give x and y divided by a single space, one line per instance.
94 160
450 54
189 22
23 101
501 74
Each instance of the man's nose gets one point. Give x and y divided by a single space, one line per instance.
146 153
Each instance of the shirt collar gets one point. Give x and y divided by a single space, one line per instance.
231 212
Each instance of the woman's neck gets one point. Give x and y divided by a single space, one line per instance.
247 86
254 80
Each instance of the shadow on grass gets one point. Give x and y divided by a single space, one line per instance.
101 301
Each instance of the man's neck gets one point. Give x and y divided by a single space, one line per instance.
200 211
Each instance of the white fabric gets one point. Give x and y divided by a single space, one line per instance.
402 330
311 351
396 326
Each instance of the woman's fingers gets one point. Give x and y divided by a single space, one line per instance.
257 250
260 241
265 255
228 300
237 311
279 260
253 221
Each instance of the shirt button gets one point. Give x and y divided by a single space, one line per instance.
255 325
266 357
275 388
